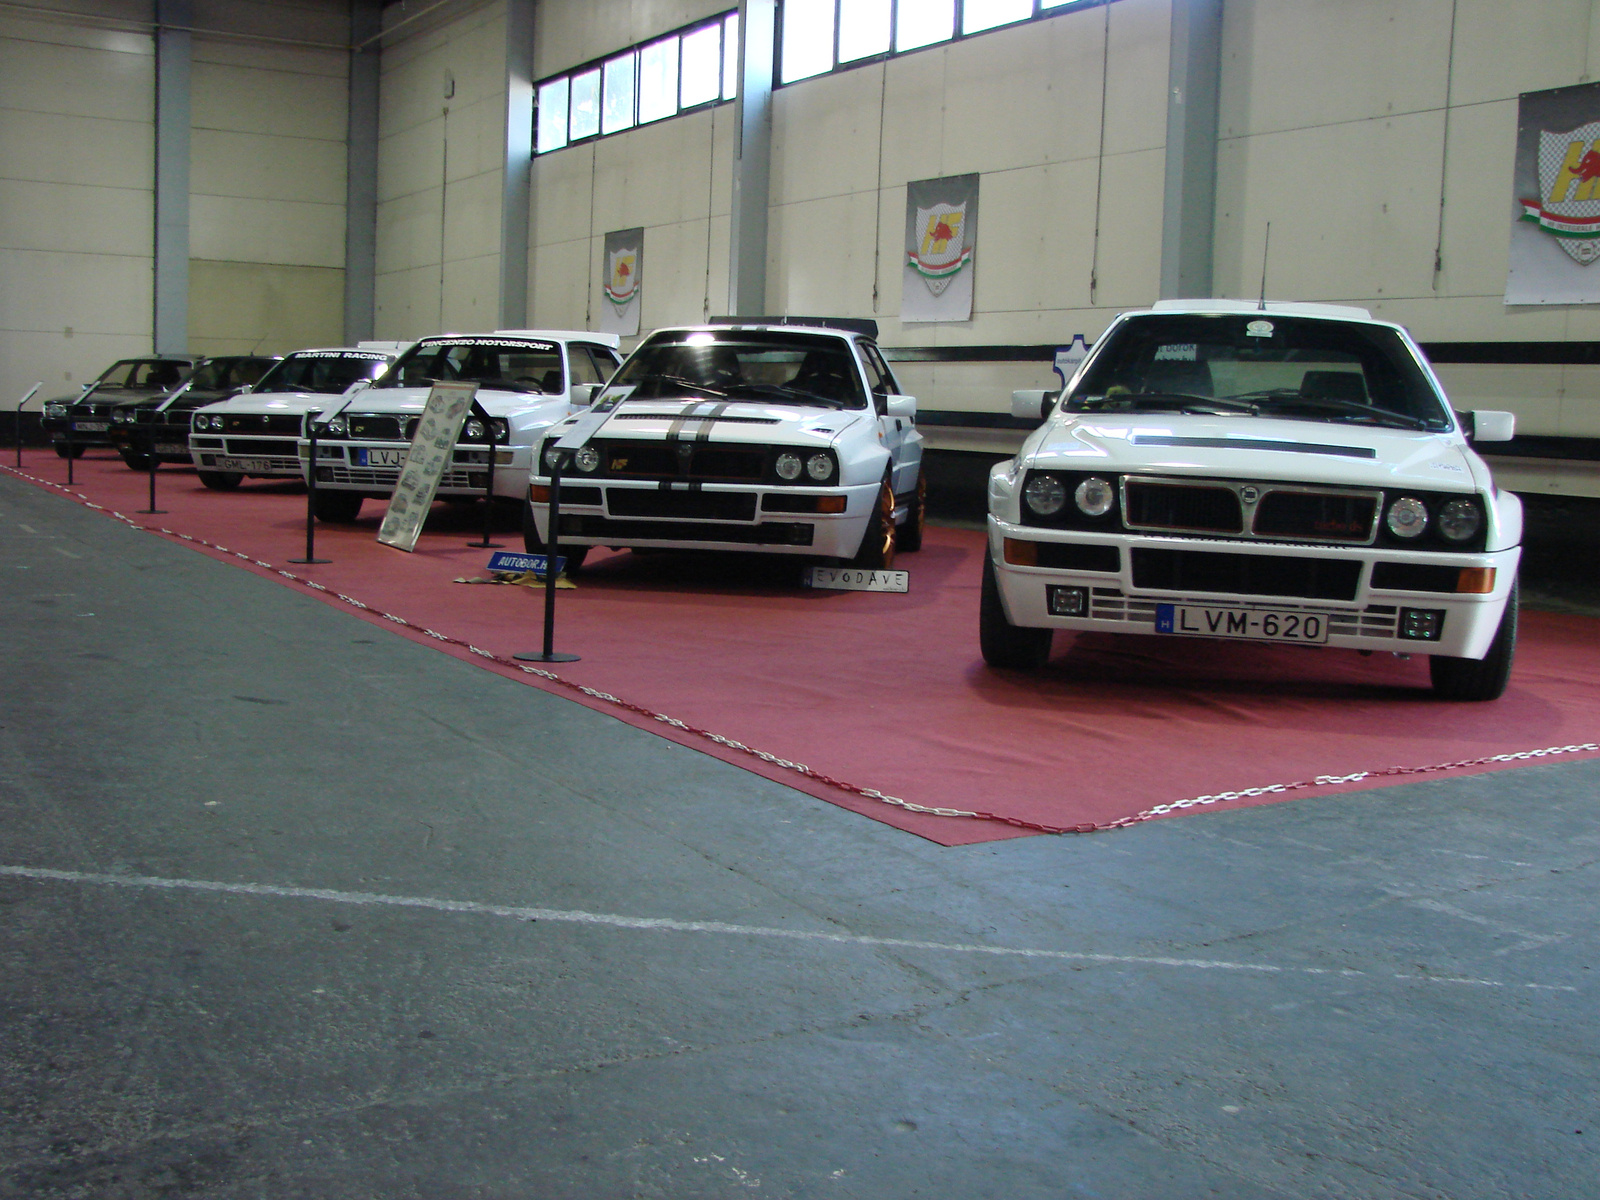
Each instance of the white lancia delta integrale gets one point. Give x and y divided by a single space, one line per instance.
527 378
1285 473
767 435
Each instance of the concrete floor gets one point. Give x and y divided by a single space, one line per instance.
296 908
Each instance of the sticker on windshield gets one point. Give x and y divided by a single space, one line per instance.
1177 352
1258 329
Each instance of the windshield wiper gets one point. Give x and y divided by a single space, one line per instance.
1168 402
786 391
1353 408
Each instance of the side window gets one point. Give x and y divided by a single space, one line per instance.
605 362
883 385
582 366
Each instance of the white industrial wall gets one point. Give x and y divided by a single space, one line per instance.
77 139
441 173
267 177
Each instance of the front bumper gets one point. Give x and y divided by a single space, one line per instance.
373 468
677 515
1366 598
169 443
260 456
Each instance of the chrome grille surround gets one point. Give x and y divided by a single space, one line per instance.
1252 497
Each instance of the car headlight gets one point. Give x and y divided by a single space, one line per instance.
819 467
338 426
121 417
1094 497
1460 520
473 430
500 430
1408 517
587 459
55 410
788 466
552 456
1045 495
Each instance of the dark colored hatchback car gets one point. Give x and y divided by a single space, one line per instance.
156 428
85 420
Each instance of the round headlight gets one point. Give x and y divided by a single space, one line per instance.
500 430
586 459
1408 517
216 422
337 426
819 467
1094 497
551 457
1459 520
121 416
473 430
788 466
1045 495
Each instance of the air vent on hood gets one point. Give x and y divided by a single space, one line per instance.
1218 443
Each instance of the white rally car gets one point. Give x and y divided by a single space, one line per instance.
527 379
256 433
1283 472
778 436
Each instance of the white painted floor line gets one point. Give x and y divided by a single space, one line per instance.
668 924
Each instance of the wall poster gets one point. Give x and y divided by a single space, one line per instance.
432 451
623 265
941 241
1555 222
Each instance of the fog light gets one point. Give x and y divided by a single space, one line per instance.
1421 624
1068 601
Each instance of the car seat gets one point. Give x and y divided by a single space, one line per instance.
1179 378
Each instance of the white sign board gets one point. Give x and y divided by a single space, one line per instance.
432 450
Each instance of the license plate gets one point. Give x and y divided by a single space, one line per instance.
246 466
379 458
172 448
1252 624
852 579
91 426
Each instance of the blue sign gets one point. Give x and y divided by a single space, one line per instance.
504 560
1164 617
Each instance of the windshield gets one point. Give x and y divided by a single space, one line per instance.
216 374
499 363
328 372
148 374
791 368
1260 364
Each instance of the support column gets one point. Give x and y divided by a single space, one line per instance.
361 173
174 51
516 202
1188 220
752 159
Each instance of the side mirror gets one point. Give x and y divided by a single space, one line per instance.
1489 425
582 394
1032 404
901 406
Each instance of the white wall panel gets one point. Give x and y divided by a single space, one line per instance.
558 295
832 120
562 196
472 219
260 167
471 294
237 307
114 78
410 233
284 232
568 32
1136 84
93 220
85 292
819 257
676 261
284 103
408 302
72 149
410 161
1503 49
61 364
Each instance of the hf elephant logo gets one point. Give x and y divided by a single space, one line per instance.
622 277
1568 206
938 256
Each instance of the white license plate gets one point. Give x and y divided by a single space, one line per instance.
91 426
247 466
853 579
1252 624
379 458
171 448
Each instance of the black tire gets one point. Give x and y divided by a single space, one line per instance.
74 451
1004 644
879 541
575 556
532 543
1475 678
221 481
136 461
909 539
337 508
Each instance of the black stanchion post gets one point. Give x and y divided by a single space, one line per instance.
154 463
488 490
67 434
311 491
552 549
21 404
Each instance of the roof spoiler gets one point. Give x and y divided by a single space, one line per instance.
862 325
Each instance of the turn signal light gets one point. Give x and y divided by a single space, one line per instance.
1476 581
538 493
1019 553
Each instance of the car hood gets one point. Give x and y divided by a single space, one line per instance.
275 402
1257 448
120 396
413 400
743 421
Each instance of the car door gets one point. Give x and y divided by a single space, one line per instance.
899 433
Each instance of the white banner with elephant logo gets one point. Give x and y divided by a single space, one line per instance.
623 265
941 245
1555 219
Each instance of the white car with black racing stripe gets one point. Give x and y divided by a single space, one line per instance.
766 435
1286 473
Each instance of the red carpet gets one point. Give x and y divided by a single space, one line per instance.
887 693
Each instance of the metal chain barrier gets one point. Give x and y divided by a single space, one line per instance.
866 793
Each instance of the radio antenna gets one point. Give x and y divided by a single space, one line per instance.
1265 242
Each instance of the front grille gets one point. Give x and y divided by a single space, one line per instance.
261 423
1320 516
682 460
371 428
1415 577
686 506
1192 508
246 446
770 533
384 478
1245 574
